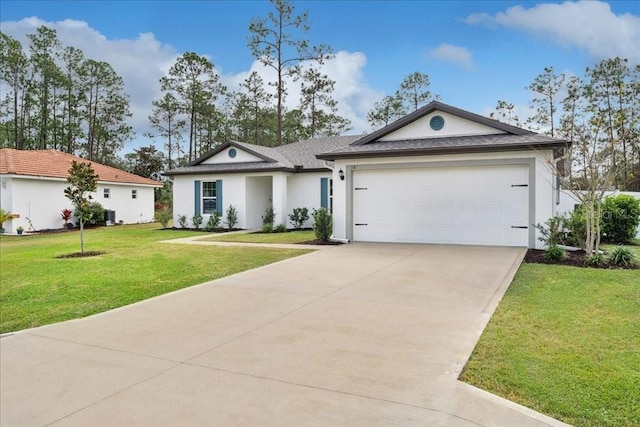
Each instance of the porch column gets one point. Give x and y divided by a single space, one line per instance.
280 198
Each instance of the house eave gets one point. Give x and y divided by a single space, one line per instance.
438 151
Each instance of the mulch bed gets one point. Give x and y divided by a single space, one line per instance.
320 243
84 254
574 259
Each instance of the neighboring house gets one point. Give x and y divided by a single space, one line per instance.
438 175
32 184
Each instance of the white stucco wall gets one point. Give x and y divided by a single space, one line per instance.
252 193
233 193
304 192
453 126
544 188
42 201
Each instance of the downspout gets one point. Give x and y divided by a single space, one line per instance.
332 238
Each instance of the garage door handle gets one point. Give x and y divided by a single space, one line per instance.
361 224
519 226
361 188
519 185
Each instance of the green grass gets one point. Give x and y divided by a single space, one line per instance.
289 237
36 288
565 341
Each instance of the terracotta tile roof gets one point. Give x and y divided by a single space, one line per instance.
56 164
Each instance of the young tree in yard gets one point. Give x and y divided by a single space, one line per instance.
82 182
274 43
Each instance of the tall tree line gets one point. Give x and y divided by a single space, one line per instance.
59 99
196 106
599 111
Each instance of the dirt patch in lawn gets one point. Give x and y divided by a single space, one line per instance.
574 259
85 254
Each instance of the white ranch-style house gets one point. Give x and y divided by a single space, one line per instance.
437 175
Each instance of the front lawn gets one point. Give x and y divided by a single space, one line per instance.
298 236
36 288
565 341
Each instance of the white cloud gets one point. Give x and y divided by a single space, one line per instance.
458 55
587 25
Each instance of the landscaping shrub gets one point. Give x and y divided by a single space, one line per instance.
555 254
232 217
298 217
182 220
95 214
196 220
551 233
322 224
620 218
576 225
268 219
214 222
164 216
280 228
623 257
595 260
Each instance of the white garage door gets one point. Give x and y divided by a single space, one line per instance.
459 205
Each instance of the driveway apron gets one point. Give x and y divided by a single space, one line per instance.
361 334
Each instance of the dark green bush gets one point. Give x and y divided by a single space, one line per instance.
232 217
620 218
280 228
95 214
623 257
575 224
322 224
550 232
554 254
214 222
196 220
182 220
298 217
268 219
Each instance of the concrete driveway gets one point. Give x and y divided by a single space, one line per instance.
361 334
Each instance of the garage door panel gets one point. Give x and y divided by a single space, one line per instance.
465 205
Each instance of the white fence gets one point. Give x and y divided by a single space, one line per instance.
567 202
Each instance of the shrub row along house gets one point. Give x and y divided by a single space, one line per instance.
32 184
438 175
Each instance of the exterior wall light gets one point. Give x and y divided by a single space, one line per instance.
341 175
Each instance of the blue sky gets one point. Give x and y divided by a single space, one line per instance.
476 52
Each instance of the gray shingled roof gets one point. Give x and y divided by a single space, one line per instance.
471 143
284 158
309 154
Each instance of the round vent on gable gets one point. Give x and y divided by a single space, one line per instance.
232 153
436 122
